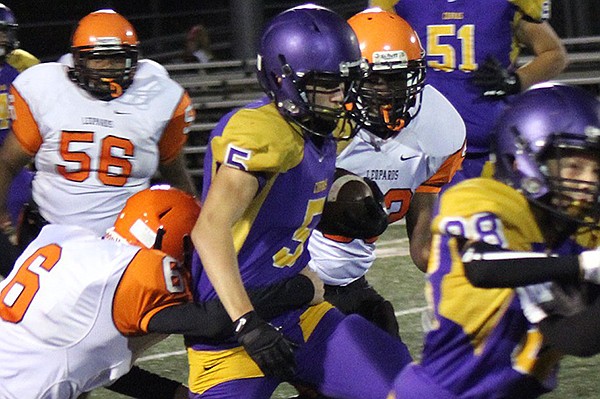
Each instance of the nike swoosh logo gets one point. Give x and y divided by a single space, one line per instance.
403 158
122 113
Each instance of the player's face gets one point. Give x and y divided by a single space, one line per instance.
379 91
383 99
4 40
580 174
105 63
327 94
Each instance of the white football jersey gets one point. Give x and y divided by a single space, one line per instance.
73 312
91 155
422 157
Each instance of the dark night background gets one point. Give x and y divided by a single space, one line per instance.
45 25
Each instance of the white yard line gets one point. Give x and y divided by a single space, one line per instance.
410 311
399 247
159 356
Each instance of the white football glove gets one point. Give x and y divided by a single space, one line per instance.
589 261
539 301
531 297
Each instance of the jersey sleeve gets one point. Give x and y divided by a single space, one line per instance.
152 281
21 60
444 174
537 10
258 140
474 208
24 126
176 132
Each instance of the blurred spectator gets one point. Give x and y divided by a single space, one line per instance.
197 45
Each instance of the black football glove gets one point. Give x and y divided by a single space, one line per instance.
271 351
495 80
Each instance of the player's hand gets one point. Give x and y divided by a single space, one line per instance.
271 351
495 80
318 285
552 299
9 231
530 297
589 262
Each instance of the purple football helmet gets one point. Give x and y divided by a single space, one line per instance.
549 121
308 45
8 24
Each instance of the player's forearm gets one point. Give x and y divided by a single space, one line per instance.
550 56
176 174
227 282
219 261
511 273
544 67
418 222
12 160
488 266
210 319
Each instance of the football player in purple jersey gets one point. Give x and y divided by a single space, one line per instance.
13 60
536 220
472 48
268 170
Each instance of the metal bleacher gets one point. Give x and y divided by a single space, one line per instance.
218 87
215 88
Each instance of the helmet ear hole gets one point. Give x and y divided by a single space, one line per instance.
159 238
188 250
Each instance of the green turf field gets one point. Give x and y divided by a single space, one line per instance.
398 280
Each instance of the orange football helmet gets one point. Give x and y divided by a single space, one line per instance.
159 217
107 37
390 96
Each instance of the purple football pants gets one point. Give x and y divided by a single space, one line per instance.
345 357
19 194
414 383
